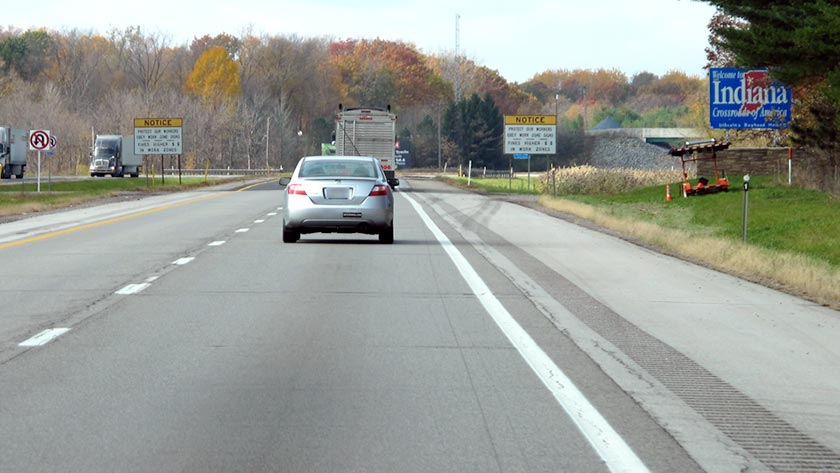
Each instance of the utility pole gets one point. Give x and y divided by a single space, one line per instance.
267 121
280 135
440 105
557 120
584 109
458 136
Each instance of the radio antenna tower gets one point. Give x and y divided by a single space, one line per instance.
457 57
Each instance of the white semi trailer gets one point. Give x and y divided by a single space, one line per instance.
368 132
13 147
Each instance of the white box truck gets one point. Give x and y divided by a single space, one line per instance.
368 132
13 147
114 155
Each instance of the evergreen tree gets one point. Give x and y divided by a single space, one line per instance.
426 144
798 41
476 126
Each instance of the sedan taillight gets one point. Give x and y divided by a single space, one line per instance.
379 189
296 189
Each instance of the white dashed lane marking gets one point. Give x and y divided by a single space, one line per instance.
44 337
51 334
133 289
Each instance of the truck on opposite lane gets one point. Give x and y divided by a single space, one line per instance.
13 147
114 155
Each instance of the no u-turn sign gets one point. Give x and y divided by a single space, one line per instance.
39 140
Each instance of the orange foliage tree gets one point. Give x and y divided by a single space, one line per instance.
215 77
378 72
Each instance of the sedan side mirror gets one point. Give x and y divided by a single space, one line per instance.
284 181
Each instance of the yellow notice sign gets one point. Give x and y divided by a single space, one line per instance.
157 135
158 122
530 120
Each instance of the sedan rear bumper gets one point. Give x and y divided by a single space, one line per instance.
340 219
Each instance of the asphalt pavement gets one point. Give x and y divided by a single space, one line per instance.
489 337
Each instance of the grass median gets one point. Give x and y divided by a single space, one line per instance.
792 233
23 198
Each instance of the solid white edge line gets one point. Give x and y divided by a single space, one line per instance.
610 446
132 289
44 337
183 261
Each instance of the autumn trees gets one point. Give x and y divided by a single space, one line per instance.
585 97
214 78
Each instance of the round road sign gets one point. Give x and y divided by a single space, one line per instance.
39 140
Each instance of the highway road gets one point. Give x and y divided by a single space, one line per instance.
178 334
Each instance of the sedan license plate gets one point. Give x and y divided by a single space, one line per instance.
338 193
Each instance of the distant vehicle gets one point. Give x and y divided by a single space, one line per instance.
338 194
368 132
114 155
13 147
327 149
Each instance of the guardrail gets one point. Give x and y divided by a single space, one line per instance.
221 172
495 174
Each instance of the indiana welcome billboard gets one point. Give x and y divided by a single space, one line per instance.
741 98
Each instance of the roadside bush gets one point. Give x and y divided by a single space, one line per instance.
589 180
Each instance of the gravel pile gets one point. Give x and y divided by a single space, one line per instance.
613 151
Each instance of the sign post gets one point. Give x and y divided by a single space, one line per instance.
50 155
528 157
39 140
746 208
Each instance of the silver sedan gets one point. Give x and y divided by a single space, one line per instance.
344 194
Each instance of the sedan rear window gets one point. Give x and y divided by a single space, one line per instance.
338 168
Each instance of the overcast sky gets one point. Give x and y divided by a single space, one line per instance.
517 38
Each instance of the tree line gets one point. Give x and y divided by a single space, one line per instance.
257 101
799 44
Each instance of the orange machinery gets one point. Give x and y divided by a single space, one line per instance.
705 150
